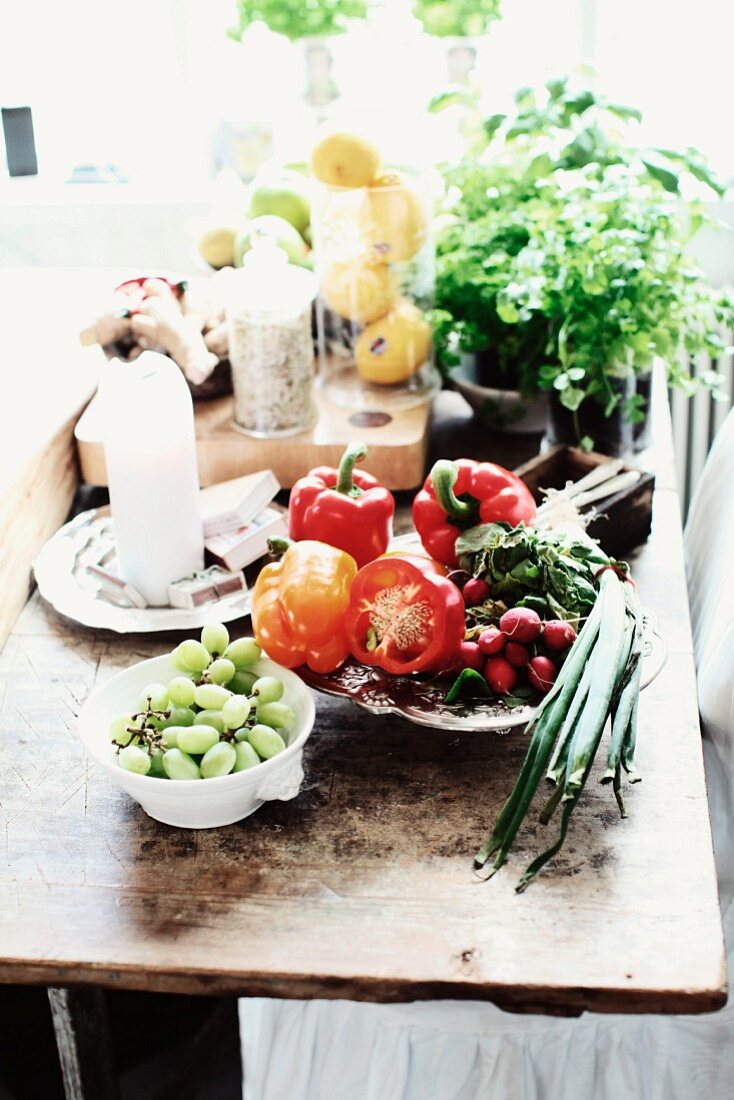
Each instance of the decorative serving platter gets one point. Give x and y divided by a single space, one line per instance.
420 701
424 701
63 581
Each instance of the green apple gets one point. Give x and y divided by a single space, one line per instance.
285 195
280 231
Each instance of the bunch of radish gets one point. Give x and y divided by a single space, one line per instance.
522 645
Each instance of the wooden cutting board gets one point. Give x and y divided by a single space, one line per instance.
397 444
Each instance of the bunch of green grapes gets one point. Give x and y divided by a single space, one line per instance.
217 717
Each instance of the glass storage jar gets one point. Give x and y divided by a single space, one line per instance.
375 261
271 343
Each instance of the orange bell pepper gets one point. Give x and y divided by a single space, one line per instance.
299 602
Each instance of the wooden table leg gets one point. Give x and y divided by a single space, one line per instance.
82 1026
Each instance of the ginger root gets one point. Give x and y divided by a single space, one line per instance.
153 315
159 320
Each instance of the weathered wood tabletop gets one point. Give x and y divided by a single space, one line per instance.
362 886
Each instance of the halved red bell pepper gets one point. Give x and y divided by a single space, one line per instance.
462 494
403 616
346 508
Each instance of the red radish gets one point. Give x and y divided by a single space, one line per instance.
521 624
475 591
542 673
500 675
516 654
558 635
491 641
471 656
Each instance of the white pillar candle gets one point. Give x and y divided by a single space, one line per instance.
150 453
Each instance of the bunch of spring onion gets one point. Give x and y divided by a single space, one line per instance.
600 679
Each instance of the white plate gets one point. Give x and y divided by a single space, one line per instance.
61 580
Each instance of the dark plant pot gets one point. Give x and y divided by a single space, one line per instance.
611 435
503 409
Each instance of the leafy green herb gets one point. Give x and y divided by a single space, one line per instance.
325 18
456 17
528 567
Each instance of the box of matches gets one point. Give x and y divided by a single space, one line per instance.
231 505
237 549
205 587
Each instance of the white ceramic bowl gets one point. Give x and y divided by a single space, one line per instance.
205 803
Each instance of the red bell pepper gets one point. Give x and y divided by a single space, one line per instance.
346 508
462 494
403 616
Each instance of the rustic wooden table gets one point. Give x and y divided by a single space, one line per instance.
362 887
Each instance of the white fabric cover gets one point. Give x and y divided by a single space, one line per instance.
342 1050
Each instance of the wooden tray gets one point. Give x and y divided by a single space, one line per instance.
624 520
397 444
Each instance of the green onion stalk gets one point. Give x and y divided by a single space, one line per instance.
600 680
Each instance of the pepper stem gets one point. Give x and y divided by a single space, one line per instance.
443 479
354 453
278 544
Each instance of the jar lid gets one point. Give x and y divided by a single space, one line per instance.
268 283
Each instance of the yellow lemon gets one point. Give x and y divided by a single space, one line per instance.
344 160
392 219
392 349
359 292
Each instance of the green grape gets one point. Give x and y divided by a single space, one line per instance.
211 718
243 652
219 760
156 765
153 697
178 716
170 736
221 671
242 681
134 759
177 765
215 637
181 691
196 739
268 689
246 757
242 735
191 656
211 696
277 715
235 711
266 741
118 730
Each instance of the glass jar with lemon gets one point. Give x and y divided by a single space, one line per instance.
375 262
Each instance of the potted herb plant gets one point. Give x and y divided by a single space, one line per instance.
312 25
563 266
